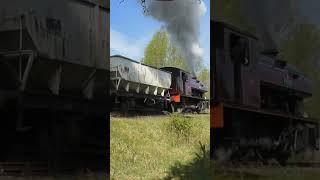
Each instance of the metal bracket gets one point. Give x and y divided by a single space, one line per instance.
89 85
55 81
26 72
21 78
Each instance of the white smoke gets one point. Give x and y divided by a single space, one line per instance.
182 21
197 50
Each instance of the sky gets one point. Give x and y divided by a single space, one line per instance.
131 30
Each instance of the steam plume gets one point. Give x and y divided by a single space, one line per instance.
182 21
269 18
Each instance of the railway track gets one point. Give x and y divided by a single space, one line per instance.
120 114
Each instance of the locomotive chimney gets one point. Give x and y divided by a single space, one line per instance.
274 55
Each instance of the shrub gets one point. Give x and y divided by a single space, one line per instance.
180 126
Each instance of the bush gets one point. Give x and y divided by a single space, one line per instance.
180 126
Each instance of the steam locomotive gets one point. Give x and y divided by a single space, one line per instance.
257 107
136 86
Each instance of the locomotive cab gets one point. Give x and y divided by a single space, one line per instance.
246 76
187 93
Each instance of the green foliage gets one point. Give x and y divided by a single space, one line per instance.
204 77
157 50
175 59
229 11
142 148
301 46
301 49
160 52
180 126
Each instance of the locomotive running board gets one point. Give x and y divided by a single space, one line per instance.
271 113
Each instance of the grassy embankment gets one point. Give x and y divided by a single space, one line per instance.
160 147
165 147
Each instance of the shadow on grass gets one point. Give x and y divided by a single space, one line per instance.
199 168
202 167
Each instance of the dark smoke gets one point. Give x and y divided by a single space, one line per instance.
182 21
271 18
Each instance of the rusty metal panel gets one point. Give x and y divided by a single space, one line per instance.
217 116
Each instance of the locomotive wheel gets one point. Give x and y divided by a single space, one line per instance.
180 110
282 158
223 155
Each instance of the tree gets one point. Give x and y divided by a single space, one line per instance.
204 77
301 48
157 50
161 52
229 12
175 59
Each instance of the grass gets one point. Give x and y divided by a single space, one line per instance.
175 147
157 147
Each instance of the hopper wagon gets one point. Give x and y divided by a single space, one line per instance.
54 81
136 86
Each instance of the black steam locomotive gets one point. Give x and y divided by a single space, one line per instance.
257 106
186 91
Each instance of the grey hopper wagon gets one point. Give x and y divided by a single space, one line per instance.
60 46
131 76
54 77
